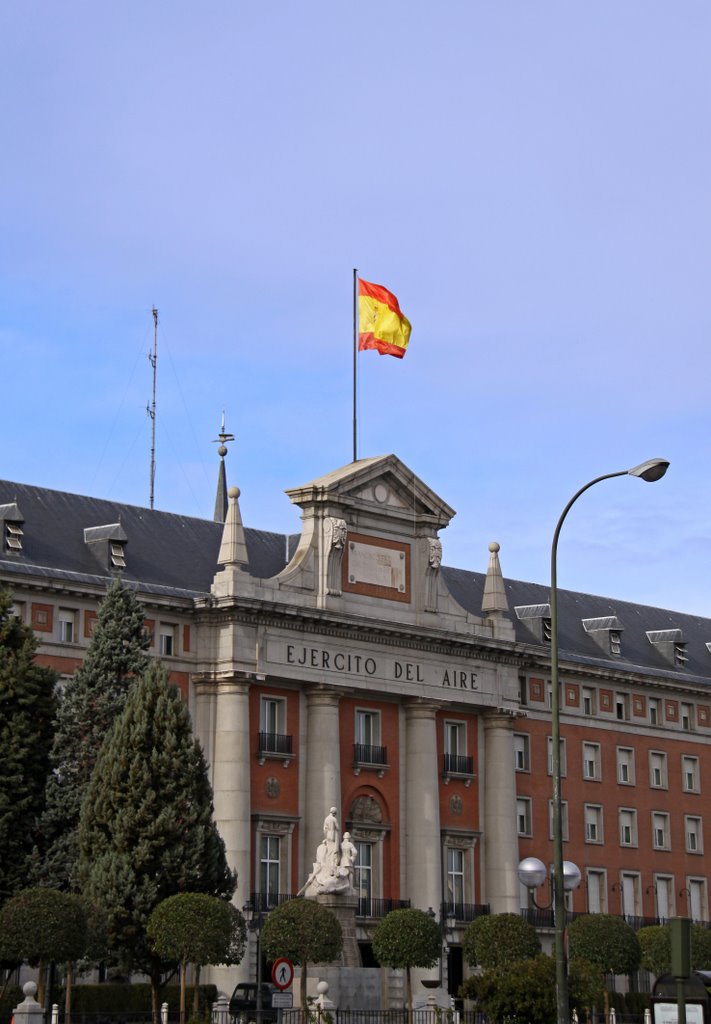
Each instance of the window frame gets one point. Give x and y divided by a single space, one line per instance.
588 811
693 834
622 813
524 749
524 814
661 823
624 763
663 771
695 773
596 761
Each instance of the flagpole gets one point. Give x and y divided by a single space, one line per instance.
355 359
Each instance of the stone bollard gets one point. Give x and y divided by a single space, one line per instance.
55 1013
220 1010
613 1016
29 1011
647 1016
323 1003
164 1013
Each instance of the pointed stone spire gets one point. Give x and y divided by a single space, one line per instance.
233 549
221 496
494 600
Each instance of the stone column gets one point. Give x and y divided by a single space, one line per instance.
231 774
422 836
323 768
203 726
501 888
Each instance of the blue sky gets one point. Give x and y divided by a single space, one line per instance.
531 179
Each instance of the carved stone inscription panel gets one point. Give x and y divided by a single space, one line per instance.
377 567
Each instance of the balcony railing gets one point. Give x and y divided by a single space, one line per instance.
458 764
263 902
375 908
368 755
464 912
274 744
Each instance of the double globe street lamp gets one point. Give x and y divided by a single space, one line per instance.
652 470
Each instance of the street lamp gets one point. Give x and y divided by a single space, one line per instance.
255 917
653 469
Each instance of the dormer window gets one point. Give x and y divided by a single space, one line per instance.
537 617
606 632
108 544
11 520
670 643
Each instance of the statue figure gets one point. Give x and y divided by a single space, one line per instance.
333 868
332 838
349 854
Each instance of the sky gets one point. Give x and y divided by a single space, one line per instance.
531 178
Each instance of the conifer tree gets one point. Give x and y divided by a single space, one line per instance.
147 829
88 707
26 712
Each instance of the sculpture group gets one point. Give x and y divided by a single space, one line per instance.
335 861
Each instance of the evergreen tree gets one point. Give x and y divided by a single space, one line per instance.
147 830
91 701
26 712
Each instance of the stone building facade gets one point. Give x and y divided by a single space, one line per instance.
349 667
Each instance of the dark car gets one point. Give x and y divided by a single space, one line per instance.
243 1004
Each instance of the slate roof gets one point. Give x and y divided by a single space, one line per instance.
177 555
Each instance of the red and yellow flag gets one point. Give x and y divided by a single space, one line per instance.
381 324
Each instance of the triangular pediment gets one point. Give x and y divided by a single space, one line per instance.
382 485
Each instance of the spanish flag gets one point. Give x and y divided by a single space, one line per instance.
381 325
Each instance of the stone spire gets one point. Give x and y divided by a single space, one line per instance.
233 549
494 601
221 496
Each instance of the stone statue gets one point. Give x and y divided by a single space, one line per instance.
333 868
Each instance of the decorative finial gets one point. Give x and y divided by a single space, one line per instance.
222 437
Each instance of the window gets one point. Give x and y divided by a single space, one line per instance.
117 555
697 903
523 816
657 769
597 891
522 752
630 894
563 819
628 827
455 876
690 773
655 711
269 860
456 759
615 641
664 896
622 707
17 611
561 747
67 625
166 640
13 536
694 838
687 717
367 727
625 766
549 696
363 877
273 715
593 823
588 701
591 761
660 830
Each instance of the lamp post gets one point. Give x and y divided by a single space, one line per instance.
653 469
254 914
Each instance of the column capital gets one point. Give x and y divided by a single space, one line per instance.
322 696
500 718
419 708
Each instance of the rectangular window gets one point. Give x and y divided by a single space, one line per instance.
455 739
550 755
597 891
591 761
363 877
166 640
593 823
657 769
117 555
17 611
625 766
660 830
654 711
523 816
272 716
522 752
628 827
694 836
367 727
588 701
455 876
563 819
664 897
67 625
13 536
690 773
687 717
269 865
697 901
622 707
630 891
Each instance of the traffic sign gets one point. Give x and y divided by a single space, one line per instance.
282 1001
282 973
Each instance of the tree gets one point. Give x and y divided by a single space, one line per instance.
27 706
195 928
495 939
524 989
655 945
42 926
147 829
304 932
407 938
605 941
89 706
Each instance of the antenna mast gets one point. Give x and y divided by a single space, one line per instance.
153 357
